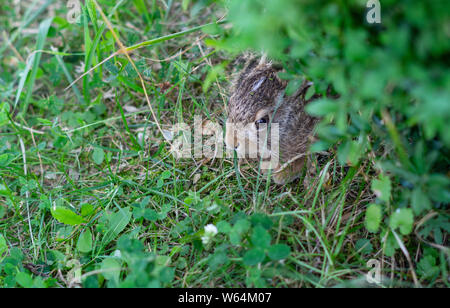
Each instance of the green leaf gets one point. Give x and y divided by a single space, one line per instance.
116 224
167 274
419 201
24 280
66 216
364 246
235 237
349 152
98 156
254 278
403 219
4 160
322 107
241 226
150 215
254 256
60 142
3 247
164 176
217 259
373 217
165 209
84 244
4 110
390 244
292 86
63 233
38 283
223 227
213 74
260 237
427 267
111 269
87 209
138 212
145 202
4 191
185 4
382 187
162 260
261 219
279 252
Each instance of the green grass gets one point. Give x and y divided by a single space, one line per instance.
94 149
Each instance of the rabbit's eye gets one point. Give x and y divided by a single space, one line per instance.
263 120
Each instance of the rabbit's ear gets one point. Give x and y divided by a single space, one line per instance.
241 59
248 61
250 64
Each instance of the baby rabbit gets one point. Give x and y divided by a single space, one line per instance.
258 103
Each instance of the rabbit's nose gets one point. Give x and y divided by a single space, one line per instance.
231 139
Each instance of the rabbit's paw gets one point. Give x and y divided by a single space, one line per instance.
289 173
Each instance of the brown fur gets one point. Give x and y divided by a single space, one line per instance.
257 88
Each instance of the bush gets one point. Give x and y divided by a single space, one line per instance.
394 104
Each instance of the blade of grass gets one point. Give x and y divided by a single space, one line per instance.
28 66
30 15
319 187
88 49
68 76
142 9
238 177
42 36
322 241
408 258
137 146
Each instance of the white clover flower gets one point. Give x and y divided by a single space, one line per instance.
211 229
117 253
210 232
205 240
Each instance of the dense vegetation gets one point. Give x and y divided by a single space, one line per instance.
90 194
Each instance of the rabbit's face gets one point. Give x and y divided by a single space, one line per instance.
250 110
249 139
251 106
